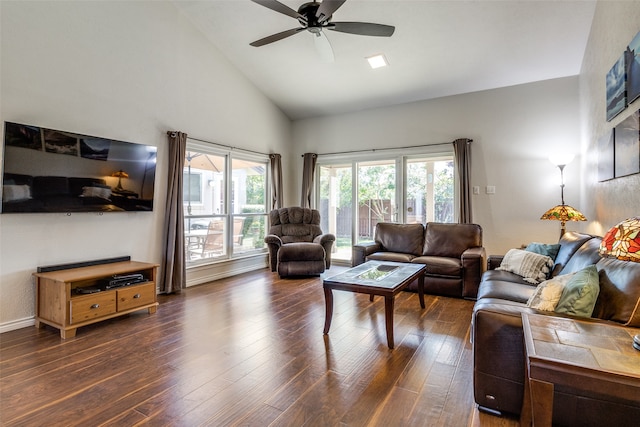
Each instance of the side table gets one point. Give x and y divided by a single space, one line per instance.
590 357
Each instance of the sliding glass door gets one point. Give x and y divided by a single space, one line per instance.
354 195
335 196
429 190
376 196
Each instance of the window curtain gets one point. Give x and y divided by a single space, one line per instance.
462 159
308 170
276 180
173 269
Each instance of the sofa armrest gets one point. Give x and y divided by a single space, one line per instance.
494 261
498 356
361 251
273 244
326 240
473 264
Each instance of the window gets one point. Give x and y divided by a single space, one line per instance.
225 209
192 187
354 195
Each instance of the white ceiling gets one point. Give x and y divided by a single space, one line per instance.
439 48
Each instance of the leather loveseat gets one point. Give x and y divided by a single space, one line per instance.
498 346
453 254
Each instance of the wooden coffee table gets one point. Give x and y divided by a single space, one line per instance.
375 278
589 357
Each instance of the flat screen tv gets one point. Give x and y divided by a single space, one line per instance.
48 170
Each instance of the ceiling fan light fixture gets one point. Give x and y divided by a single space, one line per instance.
377 61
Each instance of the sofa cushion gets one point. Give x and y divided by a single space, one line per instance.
580 293
295 224
585 256
294 233
390 256
550 250
77 185
506 291
440 266
548 293
450 240
403 238
503 276
619 298
295 215
301 252
534 268
570 242
44 186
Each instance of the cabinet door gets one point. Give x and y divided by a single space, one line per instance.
136 296
92 306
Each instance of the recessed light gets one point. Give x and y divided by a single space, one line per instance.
377 61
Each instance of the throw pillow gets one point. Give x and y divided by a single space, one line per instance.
99 192
548 293
544 249
15 193
580 293
533 267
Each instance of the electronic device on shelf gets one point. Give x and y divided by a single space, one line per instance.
87 290
120 280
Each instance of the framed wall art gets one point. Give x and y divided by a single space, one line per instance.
616 88
605 156
633 69
627 146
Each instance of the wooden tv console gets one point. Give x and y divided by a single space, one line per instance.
60 302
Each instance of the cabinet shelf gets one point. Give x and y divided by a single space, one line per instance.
59 304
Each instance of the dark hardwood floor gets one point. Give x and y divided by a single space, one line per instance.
249 351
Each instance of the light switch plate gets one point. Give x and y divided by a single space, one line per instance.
490 189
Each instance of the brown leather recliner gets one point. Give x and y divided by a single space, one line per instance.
297 245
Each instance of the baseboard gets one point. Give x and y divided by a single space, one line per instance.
17 324
205 274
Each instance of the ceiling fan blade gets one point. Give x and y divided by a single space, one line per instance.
362 28
278 7
275 37
323 46
327 7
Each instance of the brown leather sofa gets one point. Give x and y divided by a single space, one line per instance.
498 346
453 254
297 245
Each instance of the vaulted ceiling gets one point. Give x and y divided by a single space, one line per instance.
439 48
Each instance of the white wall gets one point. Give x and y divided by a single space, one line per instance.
606 203
514 130
122 70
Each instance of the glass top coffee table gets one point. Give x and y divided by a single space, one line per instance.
375 278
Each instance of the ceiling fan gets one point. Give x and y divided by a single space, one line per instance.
316 17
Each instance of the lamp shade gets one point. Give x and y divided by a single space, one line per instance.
563 213
623 241
120 174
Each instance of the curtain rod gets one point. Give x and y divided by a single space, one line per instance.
227 146
373 150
